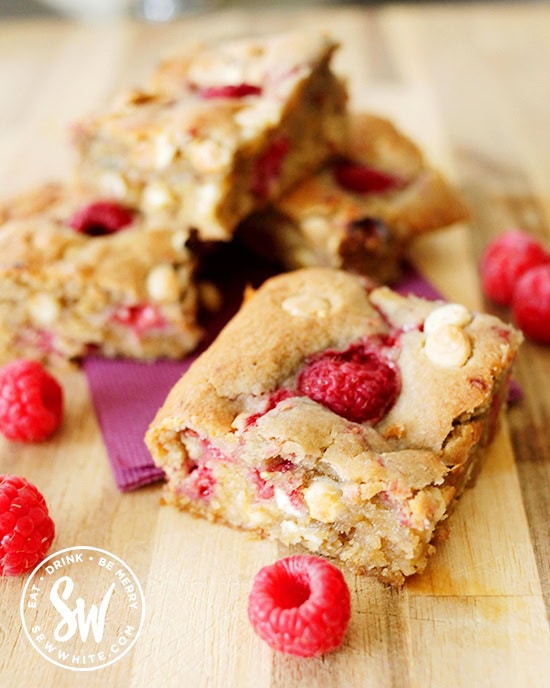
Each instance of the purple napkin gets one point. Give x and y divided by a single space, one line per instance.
127 394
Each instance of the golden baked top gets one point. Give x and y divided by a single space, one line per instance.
444 366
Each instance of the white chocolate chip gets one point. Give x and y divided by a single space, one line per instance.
284 504
449 314
303 305
163 283
448 346
44 309
156 196
113 184
165 150
324 500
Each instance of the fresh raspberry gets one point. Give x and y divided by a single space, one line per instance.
230 91
359 178
26 530
103 217
531 303
268 166
360 384
140 317
300 605
505 260
31 401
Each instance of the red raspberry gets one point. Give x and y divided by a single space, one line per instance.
200 483
360 384
268 166
300 605
230 91
26 530
505 260
140 317
531 303
363 179
31 402
103 217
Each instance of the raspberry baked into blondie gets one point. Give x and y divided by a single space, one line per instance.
341 420
362 210
221 130
81 275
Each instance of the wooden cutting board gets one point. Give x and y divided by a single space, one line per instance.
471 85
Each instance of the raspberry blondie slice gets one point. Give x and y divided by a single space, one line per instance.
338 419
81 274
221 130
362 210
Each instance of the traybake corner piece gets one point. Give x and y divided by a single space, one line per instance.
339 419
220 130
85 275
362 210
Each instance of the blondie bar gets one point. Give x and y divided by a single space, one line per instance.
80 275
343 420
362 210
220 130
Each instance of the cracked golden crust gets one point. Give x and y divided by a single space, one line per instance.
264 345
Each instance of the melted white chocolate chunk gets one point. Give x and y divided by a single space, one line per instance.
163 283
44 309
324 500
449 314
157 196
448 346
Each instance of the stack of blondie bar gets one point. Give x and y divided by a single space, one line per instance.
249 139
330 413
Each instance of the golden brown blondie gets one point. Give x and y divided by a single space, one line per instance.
81 275
343 420
220 131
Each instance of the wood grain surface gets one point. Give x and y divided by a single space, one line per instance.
471 84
